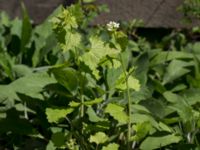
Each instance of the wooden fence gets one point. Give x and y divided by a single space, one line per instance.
154 13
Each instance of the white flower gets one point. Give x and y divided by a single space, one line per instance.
111 26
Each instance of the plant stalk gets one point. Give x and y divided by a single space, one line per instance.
80 2
129 103
82 106
129 113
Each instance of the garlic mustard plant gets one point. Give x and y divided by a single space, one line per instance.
112 26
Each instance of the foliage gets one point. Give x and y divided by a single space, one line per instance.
191 8
67 85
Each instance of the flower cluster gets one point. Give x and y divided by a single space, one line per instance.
112 26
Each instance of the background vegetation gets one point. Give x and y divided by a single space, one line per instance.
67 85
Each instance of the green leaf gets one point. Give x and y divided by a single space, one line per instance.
184 110
141 129
98 138
196 47
92 102
179 87
4 19
140 118
142 67
26 29
112 76
151 143
157 85
63 25
59 139
97 52
74 104
171 97
162 57
66 77
6 64
143 94
50 146
164 127
175 70
111 146
133 83
55 114
192 96
92 115
16 28
155 106
88 1
21 70
121 40
72 40
69 18
30 85
117 112
139 109
110 63
44 40
86 103
180 104
7 96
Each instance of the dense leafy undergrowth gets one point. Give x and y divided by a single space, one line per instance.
67 85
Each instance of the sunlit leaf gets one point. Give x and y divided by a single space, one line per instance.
133 83
117 112
92 102
55 114
111 146
63 25
74 104
88 1
50 146
99 138
69 18
97 51
72 40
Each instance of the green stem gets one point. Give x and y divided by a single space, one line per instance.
129 103
81 85
25 111
97 147
129 113
82 106
80 2
82 98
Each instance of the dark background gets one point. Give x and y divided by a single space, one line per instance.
154 13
